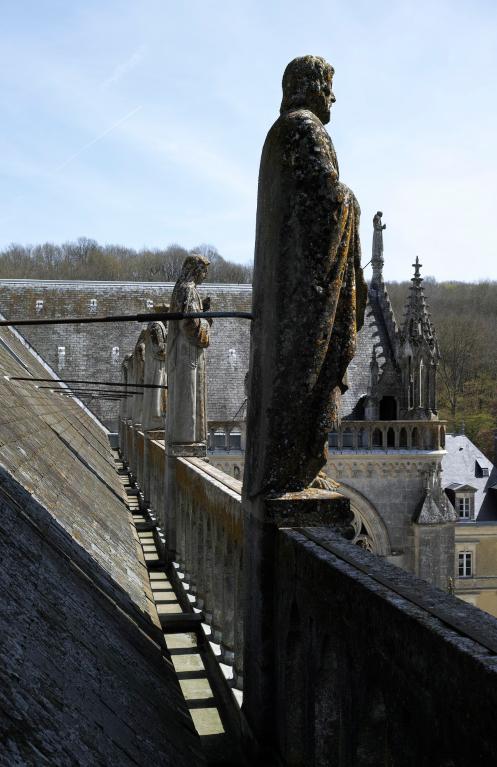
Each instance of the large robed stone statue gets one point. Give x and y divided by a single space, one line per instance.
154 400
186 421
309 292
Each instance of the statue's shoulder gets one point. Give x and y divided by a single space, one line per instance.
300 131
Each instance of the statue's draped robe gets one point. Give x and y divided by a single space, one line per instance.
377 237
138 374
125 375
154 400
186 420
308 302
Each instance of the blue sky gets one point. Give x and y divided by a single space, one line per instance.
141 123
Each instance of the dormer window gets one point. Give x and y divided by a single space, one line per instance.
150 304
464 505
93 305
481 470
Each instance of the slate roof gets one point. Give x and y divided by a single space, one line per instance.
378 333
84 676
459 469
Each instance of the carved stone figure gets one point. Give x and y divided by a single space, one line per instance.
186 420
377 255
138 377
154 400
308 293
126 372
378 228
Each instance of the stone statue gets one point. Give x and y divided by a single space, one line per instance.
126 372
309 292
186 421
138 377
154 400
377 255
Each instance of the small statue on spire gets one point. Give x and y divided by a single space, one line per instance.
377 255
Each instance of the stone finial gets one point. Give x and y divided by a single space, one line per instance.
417 325
377 254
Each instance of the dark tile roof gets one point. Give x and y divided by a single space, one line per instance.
83 674
459 469
378 333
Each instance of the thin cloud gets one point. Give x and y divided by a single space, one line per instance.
122 69
96 139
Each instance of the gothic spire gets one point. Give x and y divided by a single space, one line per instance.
417 319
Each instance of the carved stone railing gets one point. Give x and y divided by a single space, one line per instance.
388 435
209 539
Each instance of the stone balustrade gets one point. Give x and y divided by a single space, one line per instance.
355 639
209 537
388 435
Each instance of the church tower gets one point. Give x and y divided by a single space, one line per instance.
419 355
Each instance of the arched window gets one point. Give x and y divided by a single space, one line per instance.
39 306
362 439
93 305
377 438
347 439
235 439
333 440
416 438
219 439
390 438
114 355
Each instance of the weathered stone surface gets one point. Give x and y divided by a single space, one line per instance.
138 371
187 339
373 671
154 400
84 676
309 291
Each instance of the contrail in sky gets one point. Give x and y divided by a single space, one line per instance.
95 140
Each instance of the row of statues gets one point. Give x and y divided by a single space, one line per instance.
172 355
309 297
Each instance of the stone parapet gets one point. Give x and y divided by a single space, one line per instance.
357 644
362 436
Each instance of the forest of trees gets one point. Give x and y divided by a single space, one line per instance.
464 314
85 259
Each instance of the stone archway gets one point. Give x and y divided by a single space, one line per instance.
370 530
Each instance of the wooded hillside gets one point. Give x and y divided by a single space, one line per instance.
85 259
464 314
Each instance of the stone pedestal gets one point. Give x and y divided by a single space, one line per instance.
149 436
263 517
168 515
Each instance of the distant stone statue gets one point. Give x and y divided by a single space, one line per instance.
138 377
154 400
308 293
186 421
377 255
126 373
